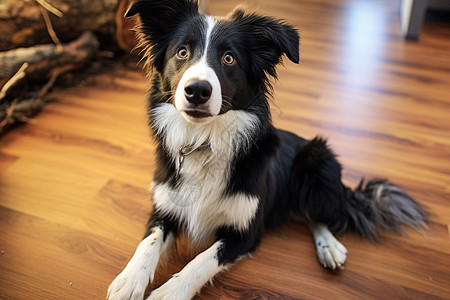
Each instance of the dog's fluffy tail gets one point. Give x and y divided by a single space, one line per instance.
381 204
320 196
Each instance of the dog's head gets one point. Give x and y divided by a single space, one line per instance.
211 65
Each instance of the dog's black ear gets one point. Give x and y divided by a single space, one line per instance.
269 39
285 37
157 20
274 33
162 13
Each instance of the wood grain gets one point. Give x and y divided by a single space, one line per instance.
74 183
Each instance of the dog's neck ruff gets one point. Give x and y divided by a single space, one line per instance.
199 200
221 137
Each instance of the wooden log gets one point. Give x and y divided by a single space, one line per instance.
43 60
125 35
22 23
42 63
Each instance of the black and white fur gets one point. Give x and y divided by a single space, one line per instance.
224 173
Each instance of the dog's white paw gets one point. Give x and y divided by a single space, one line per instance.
127 286
176 288
173 289
330 252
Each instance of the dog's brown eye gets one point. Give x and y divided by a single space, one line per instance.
228 59
182 53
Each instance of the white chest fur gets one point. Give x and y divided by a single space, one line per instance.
199 201
203 208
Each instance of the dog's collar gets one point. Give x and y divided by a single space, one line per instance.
185 151
188 149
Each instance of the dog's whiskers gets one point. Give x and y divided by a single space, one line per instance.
227 103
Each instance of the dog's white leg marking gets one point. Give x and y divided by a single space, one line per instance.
330 252
131 283
189 281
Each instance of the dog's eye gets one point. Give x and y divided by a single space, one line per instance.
228 59
182 53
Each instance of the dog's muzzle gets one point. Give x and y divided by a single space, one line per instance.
198 96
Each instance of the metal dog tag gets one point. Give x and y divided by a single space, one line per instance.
181 155
187 150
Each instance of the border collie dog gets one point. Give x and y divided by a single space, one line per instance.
224 173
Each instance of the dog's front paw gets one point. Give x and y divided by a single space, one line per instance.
127 287
171 290
331 253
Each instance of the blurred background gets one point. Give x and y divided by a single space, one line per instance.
40 40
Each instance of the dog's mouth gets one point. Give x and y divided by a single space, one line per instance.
196 115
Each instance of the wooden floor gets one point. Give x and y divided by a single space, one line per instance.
74 182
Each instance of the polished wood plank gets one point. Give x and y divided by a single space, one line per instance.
74 183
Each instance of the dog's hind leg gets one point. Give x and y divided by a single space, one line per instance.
319 198
131 283
330 252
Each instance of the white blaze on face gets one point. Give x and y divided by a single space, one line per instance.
201 71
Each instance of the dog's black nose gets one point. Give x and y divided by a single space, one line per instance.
197 91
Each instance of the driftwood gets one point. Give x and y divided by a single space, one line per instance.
23 24
43 63
46 59
42 39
